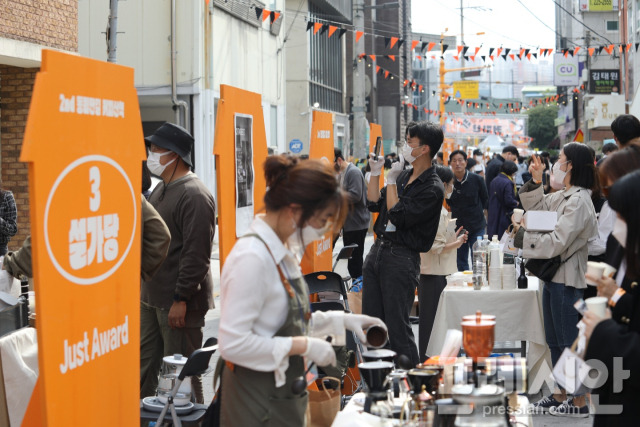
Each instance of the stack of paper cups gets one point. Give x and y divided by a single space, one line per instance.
508 276
495 278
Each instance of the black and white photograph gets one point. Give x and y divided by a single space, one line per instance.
244 172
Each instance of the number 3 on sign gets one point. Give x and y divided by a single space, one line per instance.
94 180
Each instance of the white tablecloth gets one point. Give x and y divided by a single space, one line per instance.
518 318
353 415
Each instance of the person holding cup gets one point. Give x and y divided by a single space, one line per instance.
576 173
616 336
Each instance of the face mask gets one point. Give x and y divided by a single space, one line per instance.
309 234
479 159
448 195
153 162
620 231
557 177
406 153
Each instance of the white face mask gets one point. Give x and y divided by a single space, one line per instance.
153 162
557 176
479 159
309 234
447 195
406 153
620 231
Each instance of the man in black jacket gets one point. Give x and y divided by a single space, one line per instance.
493 168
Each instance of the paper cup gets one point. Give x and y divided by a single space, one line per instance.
608 270
517 214
595 269
597 305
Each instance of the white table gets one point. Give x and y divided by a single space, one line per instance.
518 318
353 415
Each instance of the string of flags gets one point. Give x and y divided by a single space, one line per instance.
421 48
266 14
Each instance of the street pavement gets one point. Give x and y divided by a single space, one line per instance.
212 322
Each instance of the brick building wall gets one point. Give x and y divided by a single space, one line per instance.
47 23
16 85
52 23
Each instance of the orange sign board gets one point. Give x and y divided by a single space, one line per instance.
84 145
318 254
234 103
447 149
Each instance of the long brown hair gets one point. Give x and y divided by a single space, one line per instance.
312 184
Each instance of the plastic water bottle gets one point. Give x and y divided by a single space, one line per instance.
485 244
479 263
495 275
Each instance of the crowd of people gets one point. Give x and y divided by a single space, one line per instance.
428 215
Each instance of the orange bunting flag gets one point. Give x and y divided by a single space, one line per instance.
542 52
414 44
373 57
512 56
460 49
265 15
491 57
628 47
377 69
549 51
394 40
430 46
591 50
276 15
521 52
620 48
420 88
477 49
473 58
609 49
575 50
392 57
406 82
316 27
332 29
386 74
358 35
566 53
498 52
456 57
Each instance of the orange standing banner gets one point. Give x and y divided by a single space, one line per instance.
447 149
84 145
318 254
375 132
240 149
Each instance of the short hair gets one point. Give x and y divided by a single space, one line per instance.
455 152
337 154
477 152
583 170
440 155
609 147
471 162
409 125
429 134
445 173
510 149
509 167
625 128
545 154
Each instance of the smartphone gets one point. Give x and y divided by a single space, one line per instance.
376 151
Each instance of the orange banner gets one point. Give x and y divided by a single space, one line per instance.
318 255
235 103
84 145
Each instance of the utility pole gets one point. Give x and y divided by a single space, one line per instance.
360 150
462 32
112 30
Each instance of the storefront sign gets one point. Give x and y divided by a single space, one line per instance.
565 70
598 5
466 89
84 145
604 82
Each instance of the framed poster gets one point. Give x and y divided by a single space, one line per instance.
243 125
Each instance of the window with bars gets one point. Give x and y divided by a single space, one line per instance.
325 67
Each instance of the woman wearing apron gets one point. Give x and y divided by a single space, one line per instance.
266 327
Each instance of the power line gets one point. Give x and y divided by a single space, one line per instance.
542 22
580 22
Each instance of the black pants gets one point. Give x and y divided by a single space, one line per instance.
390 277
429 292
355 263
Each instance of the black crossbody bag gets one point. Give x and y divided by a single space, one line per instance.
545 269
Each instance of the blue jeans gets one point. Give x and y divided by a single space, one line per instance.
389 279
560 317
463 251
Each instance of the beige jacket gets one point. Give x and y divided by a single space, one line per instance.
577 224
437 261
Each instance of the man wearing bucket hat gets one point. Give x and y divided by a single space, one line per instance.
175 301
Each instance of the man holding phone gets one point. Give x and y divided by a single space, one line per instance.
409 212
356 224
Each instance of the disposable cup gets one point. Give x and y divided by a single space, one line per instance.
595 269
517 214
597 305
608 270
